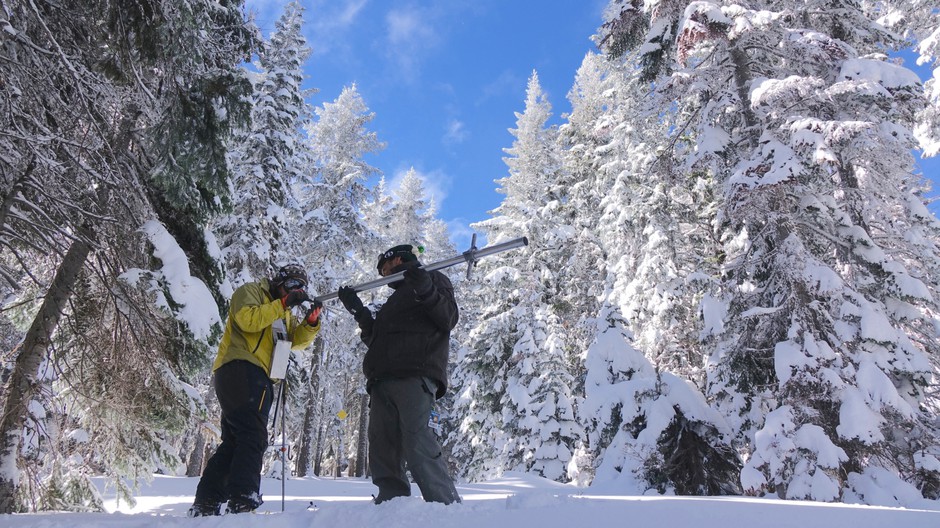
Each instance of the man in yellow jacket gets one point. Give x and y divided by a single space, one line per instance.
241 373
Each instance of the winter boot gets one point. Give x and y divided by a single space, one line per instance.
201 509
385 497
244 504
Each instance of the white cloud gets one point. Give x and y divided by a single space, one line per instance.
461 234
411 35
349 12
327 23
455 132
331 24
407 27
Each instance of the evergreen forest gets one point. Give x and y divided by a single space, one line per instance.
732 283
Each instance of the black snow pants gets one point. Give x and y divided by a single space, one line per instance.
399 435
234 472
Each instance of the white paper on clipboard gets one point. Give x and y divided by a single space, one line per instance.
281 355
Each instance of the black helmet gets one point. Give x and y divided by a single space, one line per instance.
407 252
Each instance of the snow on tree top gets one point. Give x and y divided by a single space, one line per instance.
891 76
703 12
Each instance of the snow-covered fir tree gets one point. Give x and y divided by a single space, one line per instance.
731 284
333 232
333 195
575 201
513 374
375 215
820 358
438 245
648 429
120 149
410 211
258 235
641 231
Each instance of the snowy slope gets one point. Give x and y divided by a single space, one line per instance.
517 501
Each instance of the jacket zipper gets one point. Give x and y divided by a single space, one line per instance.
259 342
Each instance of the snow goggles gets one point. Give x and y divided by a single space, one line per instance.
294 284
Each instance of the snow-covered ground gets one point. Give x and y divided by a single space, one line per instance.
516 501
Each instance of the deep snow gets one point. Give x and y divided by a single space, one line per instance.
516 501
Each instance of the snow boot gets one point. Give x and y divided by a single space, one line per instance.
385 497
199 509
244 504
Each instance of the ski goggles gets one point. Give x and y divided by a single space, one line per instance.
294 284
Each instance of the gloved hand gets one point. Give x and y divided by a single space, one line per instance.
419 280
294 298
347 296
313 314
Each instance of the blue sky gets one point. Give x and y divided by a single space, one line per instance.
444 79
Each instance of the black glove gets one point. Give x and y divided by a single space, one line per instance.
294 298
419 280
347 296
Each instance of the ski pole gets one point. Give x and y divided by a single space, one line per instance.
283 398
471 256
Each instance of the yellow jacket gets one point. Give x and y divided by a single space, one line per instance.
248 334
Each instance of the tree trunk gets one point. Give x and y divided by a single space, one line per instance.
362 445
306 435
6 205
197 459
26 369
742 84
318 453
303 457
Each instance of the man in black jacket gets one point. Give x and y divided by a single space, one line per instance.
405 366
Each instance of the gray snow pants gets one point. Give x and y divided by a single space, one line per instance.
399 435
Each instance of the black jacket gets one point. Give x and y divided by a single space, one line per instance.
410 336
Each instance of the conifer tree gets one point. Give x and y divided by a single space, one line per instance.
333 232
576 201
806 131
257 235
375 216
119 148
648 429
641 237
438 243
410 211
514 373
